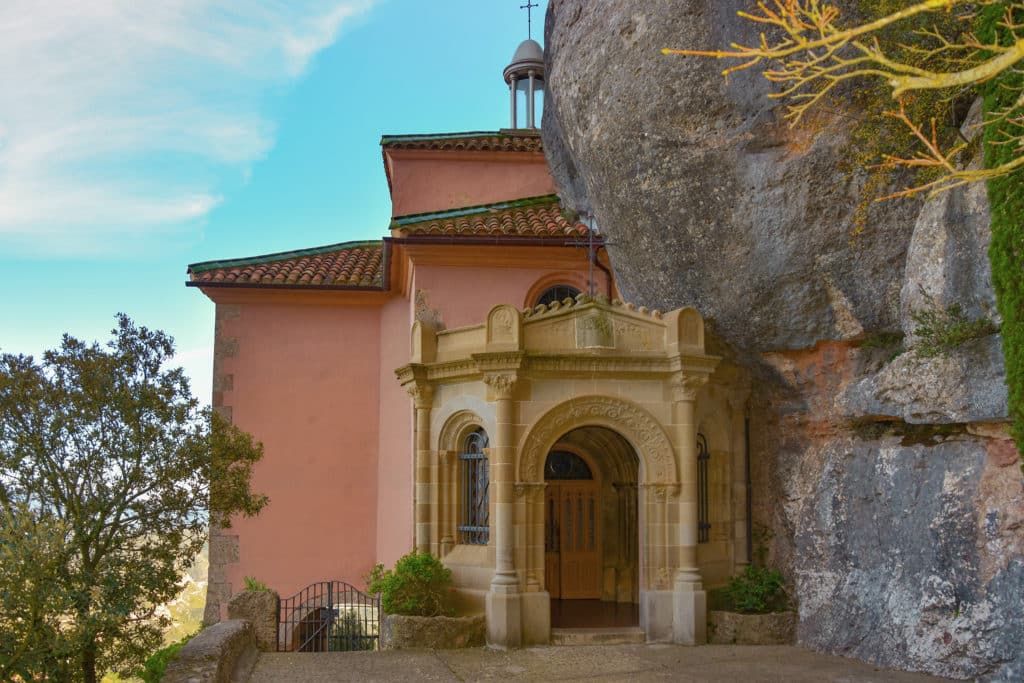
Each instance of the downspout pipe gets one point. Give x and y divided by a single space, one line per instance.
746 463
607 272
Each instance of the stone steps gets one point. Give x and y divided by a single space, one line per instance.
597 636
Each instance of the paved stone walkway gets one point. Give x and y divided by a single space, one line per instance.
745 664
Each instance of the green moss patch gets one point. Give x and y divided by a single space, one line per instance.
1006 196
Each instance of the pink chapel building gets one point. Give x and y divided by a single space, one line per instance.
470 385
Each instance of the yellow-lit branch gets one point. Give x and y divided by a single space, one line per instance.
809 54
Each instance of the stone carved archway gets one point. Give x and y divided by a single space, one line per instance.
640 428
455 429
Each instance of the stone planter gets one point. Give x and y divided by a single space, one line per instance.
728 628
434 633
260 609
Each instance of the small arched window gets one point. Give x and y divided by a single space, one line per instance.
474 528
556 293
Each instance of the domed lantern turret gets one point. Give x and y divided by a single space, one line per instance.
526 74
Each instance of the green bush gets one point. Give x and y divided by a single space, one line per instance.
419 585
940 330
153 668
251 584
758 590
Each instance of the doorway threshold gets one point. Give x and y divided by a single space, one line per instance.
597 636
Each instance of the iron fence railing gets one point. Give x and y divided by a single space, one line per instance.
330 616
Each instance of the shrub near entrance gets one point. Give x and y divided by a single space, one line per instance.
418 586
758 590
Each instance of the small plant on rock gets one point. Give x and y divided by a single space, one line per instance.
758 590
941 330
252 584
419 585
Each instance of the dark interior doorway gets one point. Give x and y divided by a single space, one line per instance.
594 614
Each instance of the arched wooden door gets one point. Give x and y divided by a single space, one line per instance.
572 529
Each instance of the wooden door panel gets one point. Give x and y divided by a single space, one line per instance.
573 540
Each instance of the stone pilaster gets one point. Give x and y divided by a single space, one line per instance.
503 604
690 609
446 497
423 395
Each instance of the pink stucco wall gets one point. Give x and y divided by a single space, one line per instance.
463 295
423 183
305 382
395 463
316 384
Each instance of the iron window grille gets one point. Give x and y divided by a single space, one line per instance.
703 508
557 293
475 528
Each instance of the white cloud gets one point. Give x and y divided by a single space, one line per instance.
108 106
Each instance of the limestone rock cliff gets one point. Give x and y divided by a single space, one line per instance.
894 497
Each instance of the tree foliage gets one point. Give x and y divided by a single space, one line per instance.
929 46
108 465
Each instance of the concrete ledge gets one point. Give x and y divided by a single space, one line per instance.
728 628
400 632
223 653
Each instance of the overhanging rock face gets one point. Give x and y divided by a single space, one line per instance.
888 483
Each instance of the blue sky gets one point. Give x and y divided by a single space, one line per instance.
136 138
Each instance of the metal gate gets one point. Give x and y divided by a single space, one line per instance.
330 616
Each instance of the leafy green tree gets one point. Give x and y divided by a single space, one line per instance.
32 555
108 466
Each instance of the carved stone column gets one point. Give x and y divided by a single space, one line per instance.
423 395
503 604
690 618
532 496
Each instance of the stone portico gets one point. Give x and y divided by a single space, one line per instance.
609 374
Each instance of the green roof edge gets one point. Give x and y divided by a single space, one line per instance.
204 266
413 218
387 139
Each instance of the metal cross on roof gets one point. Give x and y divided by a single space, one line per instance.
528 7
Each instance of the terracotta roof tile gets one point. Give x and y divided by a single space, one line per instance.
351 264
536 217
476 142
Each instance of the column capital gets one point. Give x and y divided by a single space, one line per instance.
528 489
422 395
500 387
661 491
686 387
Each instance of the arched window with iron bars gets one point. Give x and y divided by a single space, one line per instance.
703 507
557 293
474 528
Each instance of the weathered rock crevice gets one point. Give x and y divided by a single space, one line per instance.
887 482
